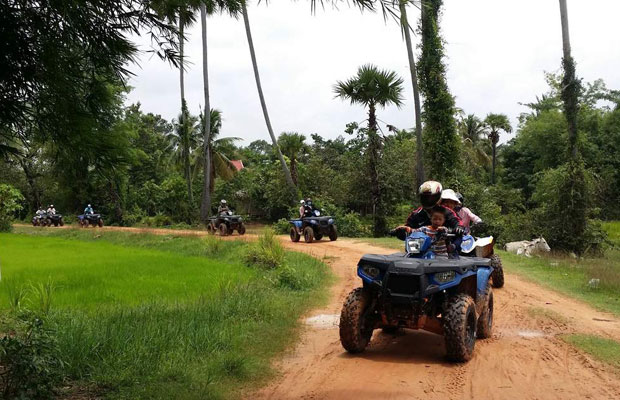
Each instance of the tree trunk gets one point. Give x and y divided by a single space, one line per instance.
287 173
31 179
184 127
205 206
404 22
494 144
570 85
294 170
374 145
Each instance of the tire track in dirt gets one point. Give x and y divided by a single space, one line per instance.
525 358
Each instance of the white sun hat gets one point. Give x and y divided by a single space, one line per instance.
448 194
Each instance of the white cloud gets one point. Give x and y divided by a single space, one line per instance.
496 54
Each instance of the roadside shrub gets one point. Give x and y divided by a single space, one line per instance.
29 359
292 279
281 226
267 252
213 245
350 225
10 204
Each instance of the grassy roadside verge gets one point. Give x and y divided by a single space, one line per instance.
159 317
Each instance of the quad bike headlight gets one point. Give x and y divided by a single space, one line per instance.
444 277
414 245
370 271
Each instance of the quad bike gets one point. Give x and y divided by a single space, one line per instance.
314 227
39 220
483 247
417 290
226 224
87 220
55 219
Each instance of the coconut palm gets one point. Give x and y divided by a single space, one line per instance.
372 87
221 151
406 29
496 123
285 170
208 7
184 140
292 144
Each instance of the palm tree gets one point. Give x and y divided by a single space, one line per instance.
406 29
496 123
221 150
291 144
184 140
209 7
472 129
372 87
287 173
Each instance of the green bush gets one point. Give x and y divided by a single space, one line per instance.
267 252
281 226
10 203
29 358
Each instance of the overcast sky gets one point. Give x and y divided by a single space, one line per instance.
497 52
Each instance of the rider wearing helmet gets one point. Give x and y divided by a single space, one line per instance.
51 210
223 207
302 207
465 214
430 195
308 208
89 210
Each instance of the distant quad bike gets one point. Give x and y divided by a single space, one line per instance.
40 220
312 228
226 224
87 220
416 290
55 219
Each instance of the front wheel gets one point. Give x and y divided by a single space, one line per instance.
459 325
210 229
241 230
223 229
333 233
308 234
356 324
85 223
100 223
61 222
295 236
484 329
497 276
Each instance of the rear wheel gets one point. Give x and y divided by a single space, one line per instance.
294 235
100 223
308 234
210 229
55 223
61 222
497 276
85 223
356 324
459 325
223 229
484 329
333 233
241 229
318 236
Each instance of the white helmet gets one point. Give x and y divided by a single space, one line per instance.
430 193
223 201
302 202
449 194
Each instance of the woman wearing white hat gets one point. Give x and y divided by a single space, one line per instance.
451 200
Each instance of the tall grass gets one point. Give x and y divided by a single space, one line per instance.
141 316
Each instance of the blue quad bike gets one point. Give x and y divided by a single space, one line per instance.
416 290
313 227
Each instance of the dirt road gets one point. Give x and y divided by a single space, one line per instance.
525 358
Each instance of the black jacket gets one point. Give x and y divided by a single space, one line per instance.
420 217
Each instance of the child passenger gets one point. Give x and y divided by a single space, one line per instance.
436 231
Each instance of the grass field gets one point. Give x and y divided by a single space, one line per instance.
158 317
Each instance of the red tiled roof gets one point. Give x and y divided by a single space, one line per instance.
238 164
